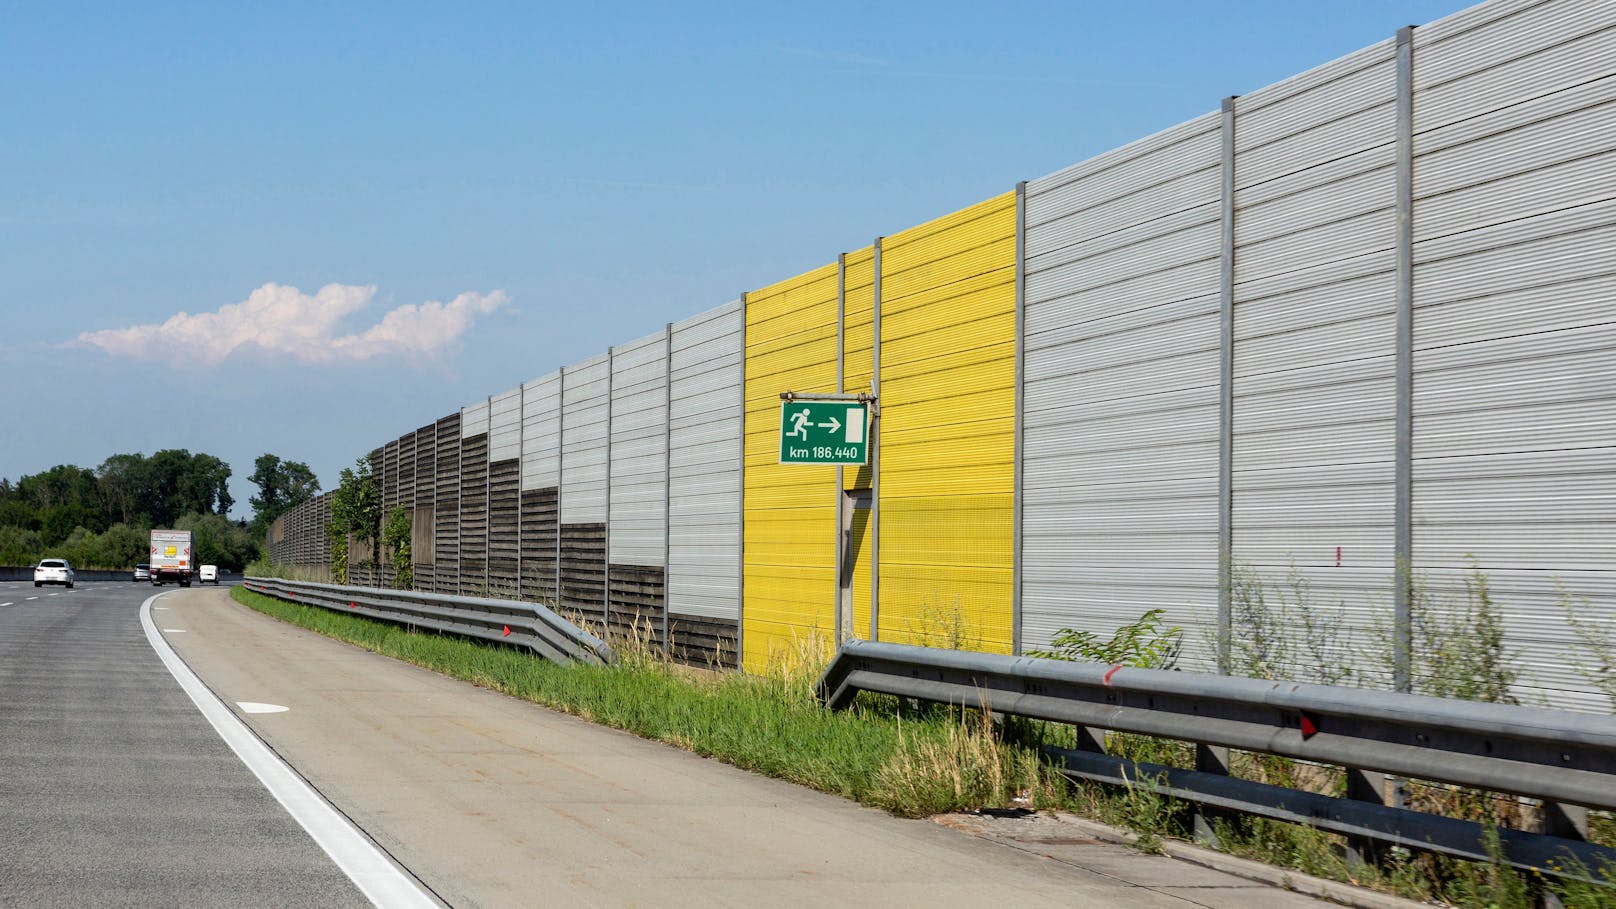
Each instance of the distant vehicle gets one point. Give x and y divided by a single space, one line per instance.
171 557
142 572
208 574
53 571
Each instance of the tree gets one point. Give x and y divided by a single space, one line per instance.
217 540
282 486
356 510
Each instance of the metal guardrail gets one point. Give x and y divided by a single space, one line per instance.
504 621
1559 757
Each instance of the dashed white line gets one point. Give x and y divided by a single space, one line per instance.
382 882
33 598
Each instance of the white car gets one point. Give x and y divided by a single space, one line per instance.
208 574
53 571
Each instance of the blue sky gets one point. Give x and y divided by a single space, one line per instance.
371 214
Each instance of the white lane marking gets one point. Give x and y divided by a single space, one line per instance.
33 598
56 594
173 631
160 608
5 604
255 707
378 878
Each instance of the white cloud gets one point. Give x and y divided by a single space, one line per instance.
283 321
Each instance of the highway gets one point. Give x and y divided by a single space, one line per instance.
116 790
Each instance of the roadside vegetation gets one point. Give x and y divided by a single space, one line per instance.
911 760
916 760
100 518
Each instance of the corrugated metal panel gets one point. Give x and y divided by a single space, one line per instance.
1314 331
505 425
541 432
790 510
1533 604
474 512
424 528
1120 429
705 465
446 515
405 461
947 429
473 420
583 443
1491 36
1515 332
639 446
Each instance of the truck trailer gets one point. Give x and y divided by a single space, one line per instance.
171 557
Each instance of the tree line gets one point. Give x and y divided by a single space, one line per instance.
100 518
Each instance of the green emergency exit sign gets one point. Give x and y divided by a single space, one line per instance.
824 432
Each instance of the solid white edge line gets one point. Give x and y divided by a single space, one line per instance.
371 871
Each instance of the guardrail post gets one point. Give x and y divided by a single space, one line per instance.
1210 759
1562 820
1090 739
1364 786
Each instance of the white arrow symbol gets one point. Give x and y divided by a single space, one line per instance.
834 424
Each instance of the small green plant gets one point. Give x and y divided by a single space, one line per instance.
1459 650
1595 647
1286 635
1145 643
942 625
339 554
396 542
1142 808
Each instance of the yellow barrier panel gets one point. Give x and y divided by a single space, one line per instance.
947 431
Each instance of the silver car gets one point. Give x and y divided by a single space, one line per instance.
53 571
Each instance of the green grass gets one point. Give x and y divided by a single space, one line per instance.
910 761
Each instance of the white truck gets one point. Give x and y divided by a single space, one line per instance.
171 557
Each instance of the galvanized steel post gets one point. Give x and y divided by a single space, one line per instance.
667 484
606 533
488 496
841 363
460 500
561 468
1226 398
740 543
521 458
1017 493
1403 433
875 457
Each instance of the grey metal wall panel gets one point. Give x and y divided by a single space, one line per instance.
1515 326
1313 490
704 465
639 446
541 432
583 442
1120 389
474 420
505 425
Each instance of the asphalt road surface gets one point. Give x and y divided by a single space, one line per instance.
114 789
127 781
